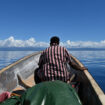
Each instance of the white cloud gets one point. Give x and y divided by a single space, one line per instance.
11 42
31 42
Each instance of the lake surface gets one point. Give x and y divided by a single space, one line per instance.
93 60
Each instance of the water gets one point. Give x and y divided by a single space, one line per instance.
93 60
8 57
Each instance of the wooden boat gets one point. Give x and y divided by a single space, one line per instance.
90 93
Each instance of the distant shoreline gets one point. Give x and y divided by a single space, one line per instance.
42 48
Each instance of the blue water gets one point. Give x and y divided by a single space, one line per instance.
8 57
93 60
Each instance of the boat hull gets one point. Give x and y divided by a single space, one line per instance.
89 91
23 67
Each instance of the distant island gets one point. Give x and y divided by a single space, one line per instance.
42 48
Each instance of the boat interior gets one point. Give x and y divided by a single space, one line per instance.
19 76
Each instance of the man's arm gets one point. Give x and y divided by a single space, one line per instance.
77 67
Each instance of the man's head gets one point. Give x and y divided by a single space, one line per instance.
54 40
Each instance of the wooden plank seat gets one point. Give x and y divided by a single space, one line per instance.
24 84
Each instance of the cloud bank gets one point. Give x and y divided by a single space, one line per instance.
11 42
31 42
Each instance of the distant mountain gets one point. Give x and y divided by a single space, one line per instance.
22 49
86 49
42 48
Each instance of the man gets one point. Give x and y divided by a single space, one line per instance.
53 63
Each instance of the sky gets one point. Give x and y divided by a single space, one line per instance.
79 23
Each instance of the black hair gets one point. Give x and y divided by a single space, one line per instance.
54 39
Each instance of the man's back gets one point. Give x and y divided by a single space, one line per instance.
53 61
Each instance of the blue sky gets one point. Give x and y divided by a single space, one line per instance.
74 20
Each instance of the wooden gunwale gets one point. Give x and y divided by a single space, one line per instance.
95 86
93 83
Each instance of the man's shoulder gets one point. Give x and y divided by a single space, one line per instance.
45 50
62 47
